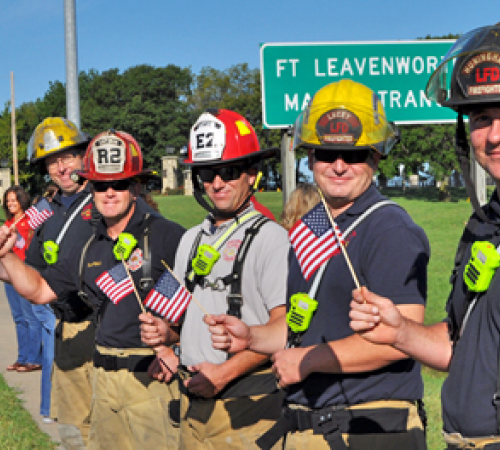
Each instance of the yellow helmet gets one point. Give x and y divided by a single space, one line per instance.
345 116
54 135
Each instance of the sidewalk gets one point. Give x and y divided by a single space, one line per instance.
27 383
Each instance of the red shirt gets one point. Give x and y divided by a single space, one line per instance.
261 208
24 234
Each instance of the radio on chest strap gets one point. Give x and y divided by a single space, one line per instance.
234 298
146 282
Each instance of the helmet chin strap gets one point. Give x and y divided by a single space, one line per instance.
462 149
198 195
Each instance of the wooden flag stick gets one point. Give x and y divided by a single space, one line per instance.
17 221
344 252
144 312
133 285
196 301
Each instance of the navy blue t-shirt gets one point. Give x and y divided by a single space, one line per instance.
389 254
119 323
467 394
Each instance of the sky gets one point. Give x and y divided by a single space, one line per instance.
196 34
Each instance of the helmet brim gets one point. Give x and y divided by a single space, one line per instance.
263 154
144 175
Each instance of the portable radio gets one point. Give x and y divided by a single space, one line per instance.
124 246
481 266
206 257
50 252
301 312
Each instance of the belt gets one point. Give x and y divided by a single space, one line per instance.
133 363
332 421
456 441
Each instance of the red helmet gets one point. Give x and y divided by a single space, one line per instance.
113 155
220 136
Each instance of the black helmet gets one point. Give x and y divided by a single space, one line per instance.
475 77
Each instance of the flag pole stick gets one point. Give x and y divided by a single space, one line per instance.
133 285
144 312
17 221
196 301
344 252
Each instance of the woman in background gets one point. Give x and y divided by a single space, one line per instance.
38 336
28 327
303 198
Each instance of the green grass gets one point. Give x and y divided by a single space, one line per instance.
443 223
18 430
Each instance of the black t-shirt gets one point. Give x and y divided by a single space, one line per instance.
389 253
75 236
119 325
467 394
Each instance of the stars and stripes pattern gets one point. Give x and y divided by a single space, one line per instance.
115 283
169 298
313 240
39 213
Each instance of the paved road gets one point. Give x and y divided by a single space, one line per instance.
27 383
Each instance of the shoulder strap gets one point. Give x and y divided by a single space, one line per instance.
349 229
146 282
191 277
68 222
83 257
234 298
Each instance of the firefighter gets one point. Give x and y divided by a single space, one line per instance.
234 262
56 148
466 344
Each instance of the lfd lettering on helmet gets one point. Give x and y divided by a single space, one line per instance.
487 74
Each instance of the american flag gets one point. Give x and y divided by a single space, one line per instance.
115 283
313 240
39 213
169 298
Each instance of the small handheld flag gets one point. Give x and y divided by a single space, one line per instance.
39 213
314 241
115 283
169 297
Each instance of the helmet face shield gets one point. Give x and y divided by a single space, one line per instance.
345 116
470 71
53 135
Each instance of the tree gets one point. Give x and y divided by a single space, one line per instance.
432 144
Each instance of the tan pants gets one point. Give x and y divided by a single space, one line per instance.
71 393
458 441
130 410
412 439
227 424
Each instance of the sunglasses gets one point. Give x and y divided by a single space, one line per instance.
348 156
118 185
226 173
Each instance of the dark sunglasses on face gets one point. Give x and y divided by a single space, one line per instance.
348 156
227 173
117 185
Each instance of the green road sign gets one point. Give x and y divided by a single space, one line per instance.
398 71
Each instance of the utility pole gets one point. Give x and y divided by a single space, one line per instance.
287 164
13 127
72 92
